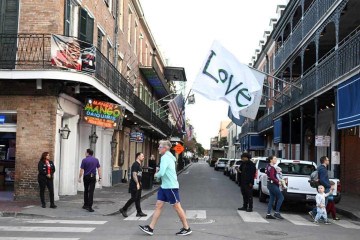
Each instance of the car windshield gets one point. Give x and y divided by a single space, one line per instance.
223 160
238 162
296 169
262 164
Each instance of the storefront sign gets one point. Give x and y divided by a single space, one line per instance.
103 114
322 141
137 137
2 119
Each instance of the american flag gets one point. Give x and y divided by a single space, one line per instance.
177 110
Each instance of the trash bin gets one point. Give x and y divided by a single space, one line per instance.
147 178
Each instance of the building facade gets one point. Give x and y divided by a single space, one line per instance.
315 61
54 59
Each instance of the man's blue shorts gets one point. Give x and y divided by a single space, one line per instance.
169 195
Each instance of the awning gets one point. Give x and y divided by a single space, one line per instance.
253 142
348 103
156 80
278 130
175 74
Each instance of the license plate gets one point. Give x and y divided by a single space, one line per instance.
310 197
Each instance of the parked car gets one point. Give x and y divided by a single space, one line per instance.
296 174
228 165
233 170
221 163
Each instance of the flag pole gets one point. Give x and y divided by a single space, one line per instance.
181 112
282 80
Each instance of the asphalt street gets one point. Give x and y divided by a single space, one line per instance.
210 200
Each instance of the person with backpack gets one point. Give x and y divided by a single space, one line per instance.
273 185
323 179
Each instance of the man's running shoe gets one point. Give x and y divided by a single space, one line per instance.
147 229
184 232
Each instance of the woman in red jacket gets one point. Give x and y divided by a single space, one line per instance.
46 170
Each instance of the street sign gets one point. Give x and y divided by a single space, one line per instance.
178 148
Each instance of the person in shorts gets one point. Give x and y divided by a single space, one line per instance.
169 190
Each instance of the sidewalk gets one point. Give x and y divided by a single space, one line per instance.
107 201
349 206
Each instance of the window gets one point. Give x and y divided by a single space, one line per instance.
71 19
146 55
109 53
121 13
141 90
100 37
129 26
141 48
86 28
135 38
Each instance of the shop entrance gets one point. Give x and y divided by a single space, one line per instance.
7 155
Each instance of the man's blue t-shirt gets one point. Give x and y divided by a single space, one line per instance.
90 164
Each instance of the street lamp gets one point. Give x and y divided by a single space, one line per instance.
93 138
64 132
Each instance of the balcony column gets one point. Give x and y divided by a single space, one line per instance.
316 101
336 137
301 132
290 135
337 30
317 43
302 62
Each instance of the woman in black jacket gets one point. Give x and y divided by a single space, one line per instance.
46 170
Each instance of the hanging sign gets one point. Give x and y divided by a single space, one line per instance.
137 137
178 148
322 141
103 114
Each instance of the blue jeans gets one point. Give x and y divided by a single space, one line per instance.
274 193
314 211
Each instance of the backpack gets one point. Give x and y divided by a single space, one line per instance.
314 179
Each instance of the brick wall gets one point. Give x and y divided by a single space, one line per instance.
349 163
36 117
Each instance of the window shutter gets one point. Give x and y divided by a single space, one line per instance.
86 26
9 16
90 29
67 18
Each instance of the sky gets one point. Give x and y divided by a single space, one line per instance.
184 31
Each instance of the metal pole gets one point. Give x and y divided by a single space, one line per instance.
290 135
336 137
316 126
267 74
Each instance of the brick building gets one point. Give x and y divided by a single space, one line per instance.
43 90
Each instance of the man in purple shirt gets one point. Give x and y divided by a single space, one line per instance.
88 170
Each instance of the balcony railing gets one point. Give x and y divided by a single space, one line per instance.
249 127
33 51
332 66
265 122
314 13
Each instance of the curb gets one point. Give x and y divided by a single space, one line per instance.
347 213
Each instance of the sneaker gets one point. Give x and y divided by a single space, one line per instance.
315 222
336 219
278 216
43 205
184 232
242 209
53 206
85 207
269 216
249 210
312 215
90 209
327 222
123 212
147 229
141 214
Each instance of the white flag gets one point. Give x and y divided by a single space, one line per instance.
252 110
223 77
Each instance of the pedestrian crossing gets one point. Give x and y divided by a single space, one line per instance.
34 229
253 217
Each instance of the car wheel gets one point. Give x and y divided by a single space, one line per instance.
262 196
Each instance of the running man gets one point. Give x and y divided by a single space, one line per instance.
169 190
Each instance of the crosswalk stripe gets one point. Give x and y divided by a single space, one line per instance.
346 224
35 238
251 217
133 216
297 220
195 214
64 221
45 229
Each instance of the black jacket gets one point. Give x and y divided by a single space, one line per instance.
43 169
247 173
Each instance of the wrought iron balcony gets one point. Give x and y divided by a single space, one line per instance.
314 13
249 127
338 62
265 122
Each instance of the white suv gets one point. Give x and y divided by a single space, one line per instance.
221 163
260 162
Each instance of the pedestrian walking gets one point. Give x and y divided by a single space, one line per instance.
330 207
169 190
88 169
247 171
323 180
135 187
46 170
273 185
321 205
